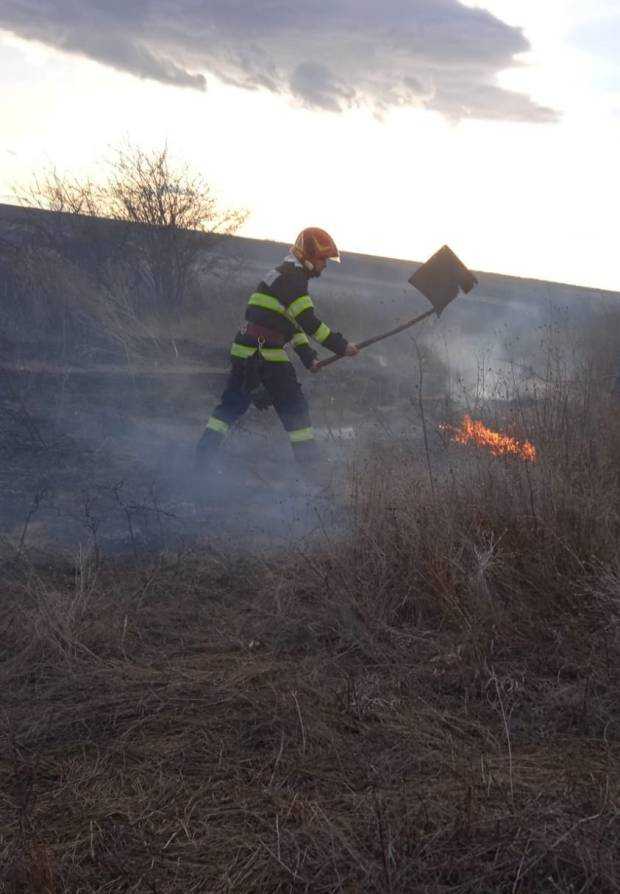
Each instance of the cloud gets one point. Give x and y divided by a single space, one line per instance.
327 54
317 86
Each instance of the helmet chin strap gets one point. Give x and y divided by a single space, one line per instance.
307 265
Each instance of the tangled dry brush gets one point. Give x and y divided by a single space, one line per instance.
426 705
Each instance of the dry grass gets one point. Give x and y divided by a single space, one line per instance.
427 705
177 729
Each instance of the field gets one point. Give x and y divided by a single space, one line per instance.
407 684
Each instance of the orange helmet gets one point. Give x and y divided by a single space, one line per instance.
313 244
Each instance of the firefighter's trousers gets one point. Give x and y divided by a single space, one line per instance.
280 380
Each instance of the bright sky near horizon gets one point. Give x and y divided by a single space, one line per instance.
492 126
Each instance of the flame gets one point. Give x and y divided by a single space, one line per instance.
497 443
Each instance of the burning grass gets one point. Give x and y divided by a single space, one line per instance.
499 444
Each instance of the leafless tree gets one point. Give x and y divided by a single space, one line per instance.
174 213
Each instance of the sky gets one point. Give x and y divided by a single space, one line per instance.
398 126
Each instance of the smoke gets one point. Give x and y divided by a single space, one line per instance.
103 456
106 462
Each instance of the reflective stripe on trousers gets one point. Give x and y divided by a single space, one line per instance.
301 434
289 402
218 425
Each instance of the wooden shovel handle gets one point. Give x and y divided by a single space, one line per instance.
376 338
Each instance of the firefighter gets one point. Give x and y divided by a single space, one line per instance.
278 312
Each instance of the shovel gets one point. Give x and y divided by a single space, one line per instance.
439 280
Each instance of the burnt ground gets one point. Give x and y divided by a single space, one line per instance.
100 456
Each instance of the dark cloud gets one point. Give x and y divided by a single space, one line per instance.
328 54
316 85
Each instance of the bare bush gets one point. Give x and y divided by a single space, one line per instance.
138 242
168 202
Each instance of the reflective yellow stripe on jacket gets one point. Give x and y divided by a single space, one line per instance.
300 339
259 299
242 351
299 305
273 355
322 333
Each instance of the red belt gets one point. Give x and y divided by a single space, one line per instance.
270 335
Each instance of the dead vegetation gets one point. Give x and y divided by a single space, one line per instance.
427 705
115 271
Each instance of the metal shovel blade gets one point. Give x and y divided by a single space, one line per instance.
440 278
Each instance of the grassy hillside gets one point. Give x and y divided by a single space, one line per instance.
78 288
405 683
422 700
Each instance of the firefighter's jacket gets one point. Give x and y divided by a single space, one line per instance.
282 304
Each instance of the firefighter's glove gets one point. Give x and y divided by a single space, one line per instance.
261 398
